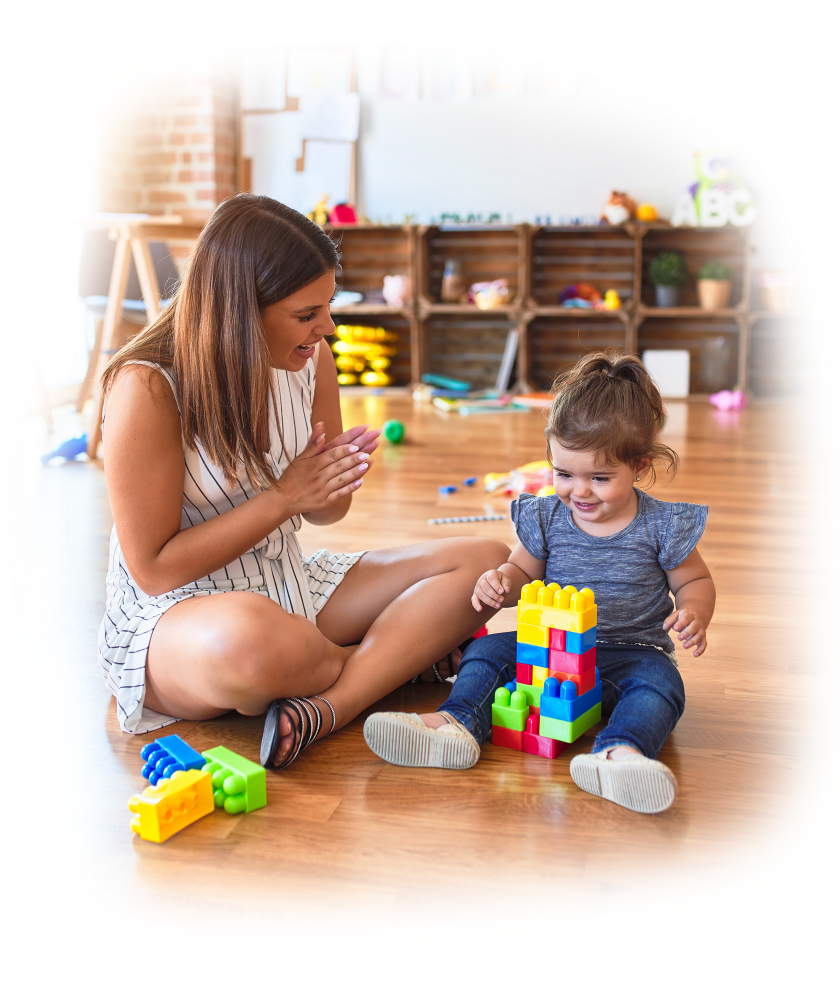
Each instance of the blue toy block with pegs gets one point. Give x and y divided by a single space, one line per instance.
560 699
531 654
166 755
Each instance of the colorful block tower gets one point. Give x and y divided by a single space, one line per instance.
557 693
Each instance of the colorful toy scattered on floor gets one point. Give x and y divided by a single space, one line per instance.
728 400
556 696
186 785
394 431
68 449
363 353
533 477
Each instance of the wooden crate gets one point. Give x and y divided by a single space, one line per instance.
713 344
727 244
400 368
467 346
486 253
775 369
368 253
555 344
602 256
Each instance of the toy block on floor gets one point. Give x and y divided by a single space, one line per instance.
166 755
509 710
539 746
562 609
568 732
560 699
580 643
560 660
510 738
539 675
238 784
531 654
583 682
175 803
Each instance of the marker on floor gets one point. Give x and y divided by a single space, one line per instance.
467 520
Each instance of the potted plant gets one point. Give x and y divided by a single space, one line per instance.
714 285
668 272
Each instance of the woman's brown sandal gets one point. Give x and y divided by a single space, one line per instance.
304 729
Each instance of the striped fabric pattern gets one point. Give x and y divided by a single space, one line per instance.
274 567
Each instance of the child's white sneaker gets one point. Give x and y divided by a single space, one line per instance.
402 738
634 782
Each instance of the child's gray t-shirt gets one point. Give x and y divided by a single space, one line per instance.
626 571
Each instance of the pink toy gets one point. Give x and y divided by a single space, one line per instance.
728 400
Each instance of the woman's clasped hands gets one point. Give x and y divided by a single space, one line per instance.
324 473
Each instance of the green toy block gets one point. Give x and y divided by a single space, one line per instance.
531 692
510 711
568 732
238 784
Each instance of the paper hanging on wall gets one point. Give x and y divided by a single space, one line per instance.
263 81
319 71
273 143
446 75
399 74
329 116
327 170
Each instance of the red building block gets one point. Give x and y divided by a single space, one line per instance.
557 639
539 746
559 660
525 674
511 738
583 682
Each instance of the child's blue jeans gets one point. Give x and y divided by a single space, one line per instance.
643 692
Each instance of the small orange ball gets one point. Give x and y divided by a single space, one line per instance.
647 213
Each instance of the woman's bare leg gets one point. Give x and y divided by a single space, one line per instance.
235 650
411 606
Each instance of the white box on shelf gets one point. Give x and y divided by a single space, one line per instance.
670 369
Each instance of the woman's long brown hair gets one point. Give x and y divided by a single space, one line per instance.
253 252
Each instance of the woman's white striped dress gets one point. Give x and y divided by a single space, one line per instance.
274 567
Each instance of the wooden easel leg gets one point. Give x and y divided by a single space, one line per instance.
86 387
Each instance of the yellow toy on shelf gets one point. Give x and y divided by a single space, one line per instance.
364 350
320 214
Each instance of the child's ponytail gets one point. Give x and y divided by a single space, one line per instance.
609 404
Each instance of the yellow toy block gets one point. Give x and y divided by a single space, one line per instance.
528 634
172 805
539 676
560 609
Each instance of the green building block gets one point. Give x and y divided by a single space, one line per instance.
531 692
568 732
238 784
510 711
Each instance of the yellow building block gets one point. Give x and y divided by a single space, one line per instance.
172 805
539 676
560 609
527 633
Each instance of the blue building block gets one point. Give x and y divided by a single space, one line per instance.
470 481
168 754
511 686
560 699
580 643
531 654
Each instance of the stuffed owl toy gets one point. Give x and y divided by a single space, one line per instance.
722 194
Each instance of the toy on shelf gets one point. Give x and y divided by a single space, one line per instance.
166 755
721 194
394 431
238 784
585 296
342 214
646 213
728 400
67 450
612 302
320 214
490 294
172 805
396 290
618 208
533 477
467 520
363 352
557 693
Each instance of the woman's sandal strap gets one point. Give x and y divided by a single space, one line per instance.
328 704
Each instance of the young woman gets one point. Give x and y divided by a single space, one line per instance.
222 429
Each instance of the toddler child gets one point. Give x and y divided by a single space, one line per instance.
600 531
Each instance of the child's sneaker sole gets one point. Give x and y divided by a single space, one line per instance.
642 785
404 739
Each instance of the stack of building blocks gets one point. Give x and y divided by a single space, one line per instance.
166 755
557 693
173 804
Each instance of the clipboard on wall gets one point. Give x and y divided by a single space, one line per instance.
305 148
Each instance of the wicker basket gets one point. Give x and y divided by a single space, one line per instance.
782 291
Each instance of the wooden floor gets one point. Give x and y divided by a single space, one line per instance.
345 824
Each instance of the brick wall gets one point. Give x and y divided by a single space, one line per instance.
171 149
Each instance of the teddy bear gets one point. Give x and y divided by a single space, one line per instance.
618 208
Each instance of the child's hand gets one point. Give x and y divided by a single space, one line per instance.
690 627
490 590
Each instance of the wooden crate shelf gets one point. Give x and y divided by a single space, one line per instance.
773 366
539 262
400 368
